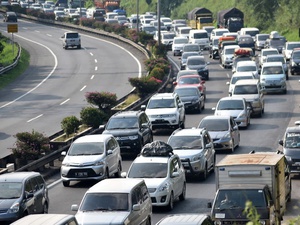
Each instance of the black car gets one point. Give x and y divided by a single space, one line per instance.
295 62
10 17
246 41
132 130
22 193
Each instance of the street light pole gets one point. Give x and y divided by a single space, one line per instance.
158 22
137 16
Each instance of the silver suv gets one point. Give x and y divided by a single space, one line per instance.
71 39
195 149
165 110
91 157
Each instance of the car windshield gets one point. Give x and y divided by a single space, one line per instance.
246 39
214 124
148 170
245 89
220 33
200 35
187 54
231 105
292 140
86 148
10 190
189 80
252 33
122 123
215 42
196 62
296 55
272 52
235 79
262 37
105 202
180 41
72 35
229 51
161 103
185 92
185 31
191 48
150 29
292 46
275 59
185 142
168 36
276 42
246 68
272 70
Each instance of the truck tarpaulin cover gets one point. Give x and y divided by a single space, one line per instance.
192 14
157 148
227 13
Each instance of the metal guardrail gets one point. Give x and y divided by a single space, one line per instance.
16 60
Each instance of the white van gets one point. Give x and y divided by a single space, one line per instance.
199 37
273 78
111 15
252 31
115 201
184 31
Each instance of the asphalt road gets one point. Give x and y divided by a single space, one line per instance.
54 85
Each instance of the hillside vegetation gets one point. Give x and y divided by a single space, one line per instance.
267 15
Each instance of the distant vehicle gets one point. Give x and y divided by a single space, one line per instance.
227 55
294 64
148 29
184 57
246 67
260 40
288 49
167 39
218 32
232 19
10 17
279 58
200 17
238 76
178 43
198 63
277 43
71 39
184 32
208 30
252 31
214 48
199 37
263 54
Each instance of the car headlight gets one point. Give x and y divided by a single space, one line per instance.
197 157
99 163
14 208
262 222
66 164
288 158
133 137
227 135
242 114
293 63
164 187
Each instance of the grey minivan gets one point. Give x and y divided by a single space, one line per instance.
22 193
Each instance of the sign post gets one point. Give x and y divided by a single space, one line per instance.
12 28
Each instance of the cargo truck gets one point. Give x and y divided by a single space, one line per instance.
232 19
262 178
199 17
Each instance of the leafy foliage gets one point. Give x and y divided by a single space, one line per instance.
104 100
144 85
251 213
30 146
70 124
92 117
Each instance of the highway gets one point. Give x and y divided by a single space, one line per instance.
69 74
54 85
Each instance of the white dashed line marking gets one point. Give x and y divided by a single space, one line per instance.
91 54
96 68
65 101
83 88
34 118
92 77
96 61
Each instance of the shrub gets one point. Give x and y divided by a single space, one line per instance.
92 117
30 146
144 85
158 73
70 124
159 62
104 100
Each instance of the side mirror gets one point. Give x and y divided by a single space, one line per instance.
74 207
209 205
175 174
214 108
123 174
64 153
136 207
227 83
143 107
207 63
180 105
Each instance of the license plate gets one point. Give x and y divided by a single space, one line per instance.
81 174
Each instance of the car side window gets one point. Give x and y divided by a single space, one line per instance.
28 187
40 181
137 196
111 145
206 139
34 184
145 192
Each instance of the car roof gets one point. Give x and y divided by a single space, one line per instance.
275 56
293 129
231 98
271 64
151 159
183 219
45 219
192 76
93 138
163 95
268 49
188 131
17 176
241 74
231 47
246 63
247 81
127 114
196 57
186 87
213 117
115 185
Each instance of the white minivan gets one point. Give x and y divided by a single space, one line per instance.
184 32
199 37
252 31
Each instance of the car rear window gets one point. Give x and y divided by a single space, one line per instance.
72 35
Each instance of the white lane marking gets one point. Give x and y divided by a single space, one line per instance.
28 121
64 101
96 61
96 68
138 62
83 88
37 31
49 35
44 80
25 28
92 77
91 54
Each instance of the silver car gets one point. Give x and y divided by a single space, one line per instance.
91 157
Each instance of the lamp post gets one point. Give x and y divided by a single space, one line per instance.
137 16
158 22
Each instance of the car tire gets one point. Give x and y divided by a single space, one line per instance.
66 183
203 175
119 171
79 46
148 222
170 205
45 208
106 174
183 193
232 148
292 72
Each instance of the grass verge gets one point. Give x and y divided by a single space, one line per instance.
128 101
10 76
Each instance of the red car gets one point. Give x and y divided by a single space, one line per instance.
192 80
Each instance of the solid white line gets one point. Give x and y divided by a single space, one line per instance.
49 35
44 80
92 77
64 101
96 68
91 54
28 121
54 183
96 61
83 88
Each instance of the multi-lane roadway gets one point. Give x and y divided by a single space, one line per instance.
54 85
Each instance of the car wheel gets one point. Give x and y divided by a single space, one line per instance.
170 206
79 46
106 174
199 108
203 107
118 173
232 148
204 174
292 72
284 92
66 183
183 193
45 208
148 222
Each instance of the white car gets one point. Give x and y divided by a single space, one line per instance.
162 172
238 76
196 150
236 107
165 110
227 55
178 43
288 49
264 52
246 67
